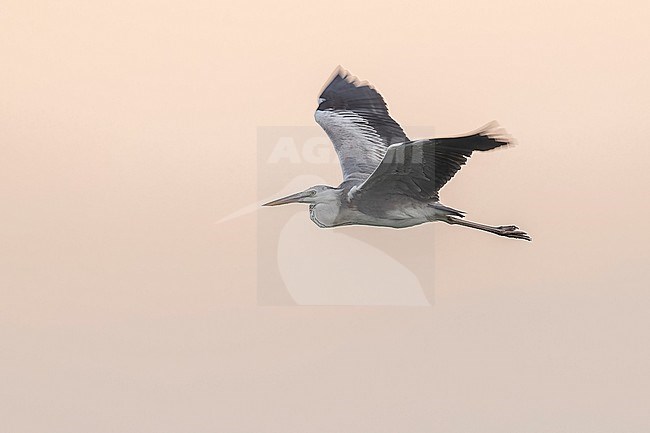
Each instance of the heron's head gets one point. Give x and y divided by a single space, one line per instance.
315 194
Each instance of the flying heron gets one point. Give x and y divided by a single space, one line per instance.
388 179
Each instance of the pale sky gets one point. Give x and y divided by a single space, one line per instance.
128 129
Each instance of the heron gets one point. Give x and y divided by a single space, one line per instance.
388 179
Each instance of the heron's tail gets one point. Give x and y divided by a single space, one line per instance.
485 138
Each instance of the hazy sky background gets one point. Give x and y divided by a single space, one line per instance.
128 128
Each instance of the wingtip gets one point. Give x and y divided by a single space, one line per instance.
343 74
494 131
340 71
498 133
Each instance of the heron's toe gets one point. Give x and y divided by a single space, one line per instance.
508 228
518 234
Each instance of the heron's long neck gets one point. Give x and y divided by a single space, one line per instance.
325 213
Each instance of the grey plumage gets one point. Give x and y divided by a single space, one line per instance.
388 179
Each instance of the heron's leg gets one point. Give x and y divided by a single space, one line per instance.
508 231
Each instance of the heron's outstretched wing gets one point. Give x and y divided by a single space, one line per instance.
420 168
356 119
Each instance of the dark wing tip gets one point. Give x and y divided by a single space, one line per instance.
493 134
341 80
341 77
345 91
497 133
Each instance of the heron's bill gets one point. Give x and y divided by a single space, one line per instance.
293 198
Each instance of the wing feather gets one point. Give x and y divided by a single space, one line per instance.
355 117
420 168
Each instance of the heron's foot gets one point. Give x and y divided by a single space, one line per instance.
513 232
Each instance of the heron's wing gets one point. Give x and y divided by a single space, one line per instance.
356 119
420 168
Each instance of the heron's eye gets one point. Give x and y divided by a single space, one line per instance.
312 192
